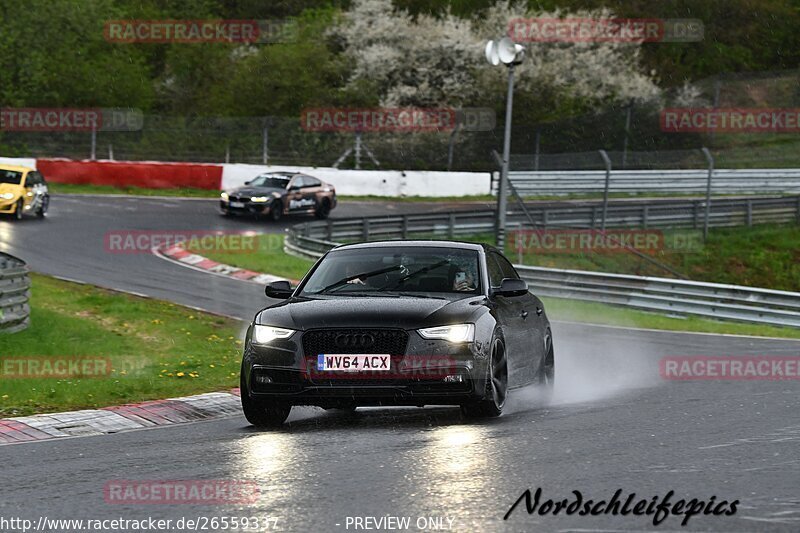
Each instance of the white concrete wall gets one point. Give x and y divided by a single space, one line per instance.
18 161
374 182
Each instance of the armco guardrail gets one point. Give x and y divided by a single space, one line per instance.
727 181
726 302
14 293
681 214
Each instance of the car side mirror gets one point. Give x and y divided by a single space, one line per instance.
512 287
247 182
278 289
294 188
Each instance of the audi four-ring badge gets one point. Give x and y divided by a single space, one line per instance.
410 323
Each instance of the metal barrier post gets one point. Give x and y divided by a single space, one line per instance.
358 151
607 162
749 213
798 209
710 160
451 146
503 192
627 134
265 147
93 155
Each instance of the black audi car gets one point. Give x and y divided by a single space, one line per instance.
397 323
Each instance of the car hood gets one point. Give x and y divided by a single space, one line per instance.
257 191
363 311
9 187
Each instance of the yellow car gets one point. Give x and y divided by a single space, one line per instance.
23 190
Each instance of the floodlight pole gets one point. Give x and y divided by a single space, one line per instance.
503 187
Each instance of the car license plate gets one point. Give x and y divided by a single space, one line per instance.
237 204
354 362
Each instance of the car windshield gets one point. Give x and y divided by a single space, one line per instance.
10 176
391 270
278 181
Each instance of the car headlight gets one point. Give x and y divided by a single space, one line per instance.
260 199
267 334
454 333
224 195
7 195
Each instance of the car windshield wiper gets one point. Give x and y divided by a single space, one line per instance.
413 274
418 295
344 281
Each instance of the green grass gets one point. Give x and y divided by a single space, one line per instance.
157 349
761 256
597 313
67 188
267 255
765 256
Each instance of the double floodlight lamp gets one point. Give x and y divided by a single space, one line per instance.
504 51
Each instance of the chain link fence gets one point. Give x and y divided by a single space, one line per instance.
631 133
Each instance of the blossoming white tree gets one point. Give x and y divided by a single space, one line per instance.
439 61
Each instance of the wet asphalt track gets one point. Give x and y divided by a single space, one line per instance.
613 423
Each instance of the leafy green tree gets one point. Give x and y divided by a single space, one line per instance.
53 53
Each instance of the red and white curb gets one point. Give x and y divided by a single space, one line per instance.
180 256
114 419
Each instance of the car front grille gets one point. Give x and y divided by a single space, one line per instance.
355 340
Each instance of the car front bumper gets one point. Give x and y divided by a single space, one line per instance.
428 373
248 208
8 206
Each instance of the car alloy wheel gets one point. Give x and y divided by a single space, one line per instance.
496 386
324 210
276 212
547 369
262 415
18 210
42 211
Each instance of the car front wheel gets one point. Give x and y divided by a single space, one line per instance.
276 212
547 368
323 210
18 210
42 211
491 405
262 414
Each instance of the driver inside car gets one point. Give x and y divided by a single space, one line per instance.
353 269
463 279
